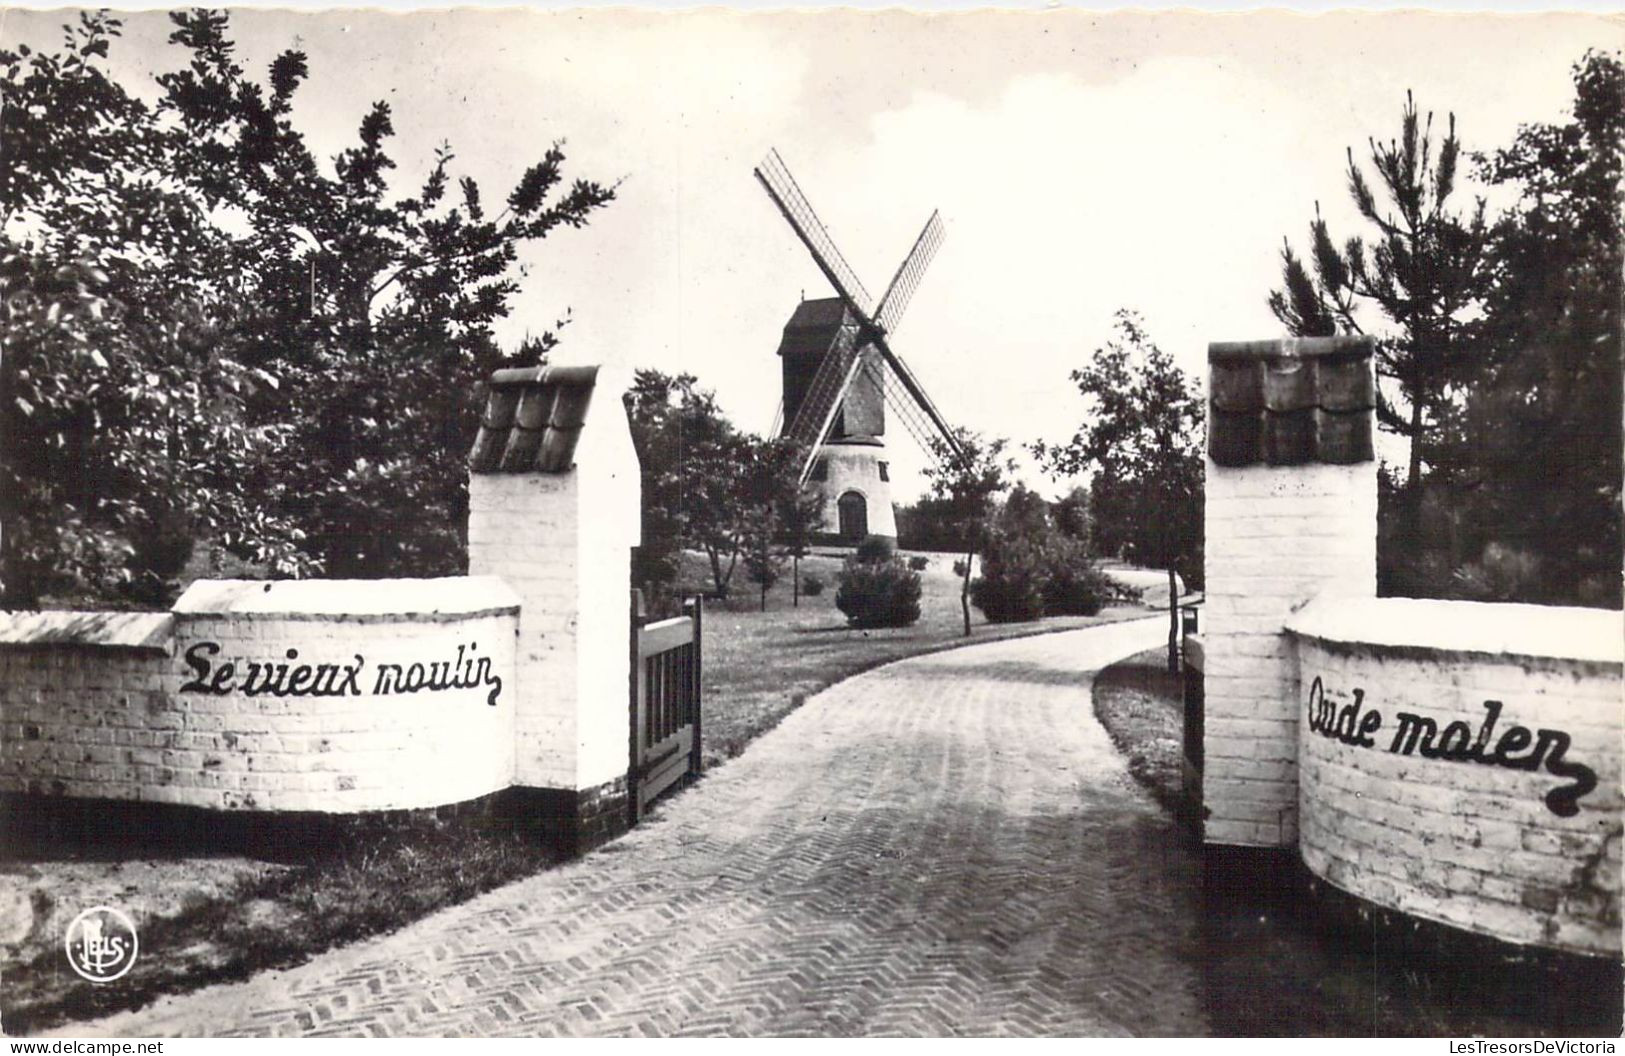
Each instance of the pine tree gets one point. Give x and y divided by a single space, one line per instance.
1423 269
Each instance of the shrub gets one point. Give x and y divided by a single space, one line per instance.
1074 585
1502 573
878 593
918 562
1011 586
812 585
876 548
1077 590
959 567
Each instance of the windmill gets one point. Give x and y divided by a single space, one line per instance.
840 372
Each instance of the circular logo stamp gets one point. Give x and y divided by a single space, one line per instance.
101 944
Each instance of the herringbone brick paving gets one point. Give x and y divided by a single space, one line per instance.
947 845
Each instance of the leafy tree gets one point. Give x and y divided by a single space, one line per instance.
966 487
767 484
1423 270
764 562
1539 443
341 330
706 485
1072 516
1505 349
1142 430
123 405
928 524
800 515
377 308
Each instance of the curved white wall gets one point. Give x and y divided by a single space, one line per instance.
1460 762
331 696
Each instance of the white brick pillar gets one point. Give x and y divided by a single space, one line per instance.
554 511
523 528
1291 514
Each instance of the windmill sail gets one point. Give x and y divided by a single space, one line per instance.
916 392
775 178
909 273
859 348
817 411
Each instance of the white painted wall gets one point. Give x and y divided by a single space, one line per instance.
1277 536
856 467
608 527
91 704
1456 841
94 722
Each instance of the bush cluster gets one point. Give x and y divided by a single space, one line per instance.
1027 575
877 589
918 562
812 585
1082 590
1014 574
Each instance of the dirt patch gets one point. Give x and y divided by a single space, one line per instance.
38 899
204 920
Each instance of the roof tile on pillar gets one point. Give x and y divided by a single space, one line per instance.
1291 401
533 418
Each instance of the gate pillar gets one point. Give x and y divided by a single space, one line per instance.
554 510
1291 514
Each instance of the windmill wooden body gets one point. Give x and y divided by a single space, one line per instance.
841 374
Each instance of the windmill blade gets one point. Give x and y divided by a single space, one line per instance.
775 178
903 284
905 410
916 393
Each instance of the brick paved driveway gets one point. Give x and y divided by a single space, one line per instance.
947 845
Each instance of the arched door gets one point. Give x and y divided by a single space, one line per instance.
854 514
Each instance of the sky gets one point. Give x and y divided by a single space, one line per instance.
1083 162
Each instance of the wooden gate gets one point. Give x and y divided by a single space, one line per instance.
665 708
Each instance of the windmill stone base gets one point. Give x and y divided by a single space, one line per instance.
851 474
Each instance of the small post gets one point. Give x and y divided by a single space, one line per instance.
634 752
694 760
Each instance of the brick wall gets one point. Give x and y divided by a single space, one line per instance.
1277 536
326 696
1494 849
525 529
95 720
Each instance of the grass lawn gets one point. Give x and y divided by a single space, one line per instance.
218 918
1138 702
759 666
